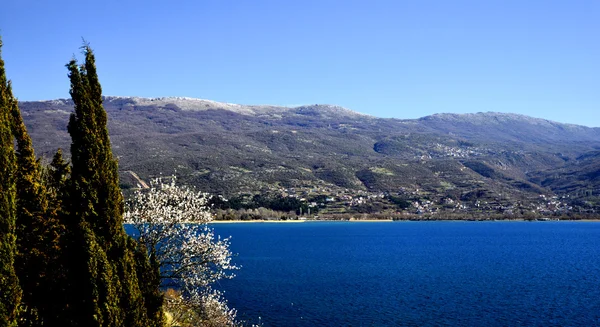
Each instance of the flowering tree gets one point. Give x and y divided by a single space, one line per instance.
171 222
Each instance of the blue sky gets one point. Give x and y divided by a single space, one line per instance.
402 59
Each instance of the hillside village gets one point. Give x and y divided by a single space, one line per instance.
322 203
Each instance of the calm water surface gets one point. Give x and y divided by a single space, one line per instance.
416 273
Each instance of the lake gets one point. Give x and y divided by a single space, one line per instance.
416 273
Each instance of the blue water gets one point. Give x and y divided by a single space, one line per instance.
416 273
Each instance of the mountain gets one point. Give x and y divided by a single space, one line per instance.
491 162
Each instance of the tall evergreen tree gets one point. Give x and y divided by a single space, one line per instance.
10 292
38 234
95 173
94 284
112 288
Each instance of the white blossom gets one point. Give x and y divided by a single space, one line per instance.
171 221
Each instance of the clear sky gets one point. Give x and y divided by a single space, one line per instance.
403 59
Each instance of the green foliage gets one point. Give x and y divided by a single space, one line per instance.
369 208
10 292
112 295
65 259
95 193
272 202
56 177
401 202
38 262
131 298
148 275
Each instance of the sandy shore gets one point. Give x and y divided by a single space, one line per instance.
378 221
369 220
295 221
254 221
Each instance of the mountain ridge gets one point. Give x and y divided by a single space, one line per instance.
189 103
211 104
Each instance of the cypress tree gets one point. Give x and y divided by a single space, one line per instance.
94 173
112 288
94 284
38 234
10 292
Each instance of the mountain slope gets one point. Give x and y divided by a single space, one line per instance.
504 159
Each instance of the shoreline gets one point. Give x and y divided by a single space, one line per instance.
296 221
256 221
267 221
